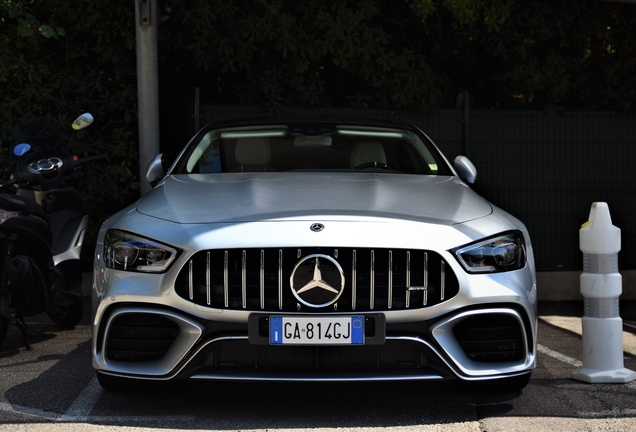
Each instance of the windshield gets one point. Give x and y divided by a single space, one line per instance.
310 147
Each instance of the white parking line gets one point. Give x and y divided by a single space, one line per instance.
48 415
31 412
557 355
81 408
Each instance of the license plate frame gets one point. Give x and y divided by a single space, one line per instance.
344 330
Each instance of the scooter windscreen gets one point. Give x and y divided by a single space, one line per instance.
36 138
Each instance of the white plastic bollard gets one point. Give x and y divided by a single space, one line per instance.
601 286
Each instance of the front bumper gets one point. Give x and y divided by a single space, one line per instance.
470 327
468 344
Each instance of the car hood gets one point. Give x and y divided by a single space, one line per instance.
251 197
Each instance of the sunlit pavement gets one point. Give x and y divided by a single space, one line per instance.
53 388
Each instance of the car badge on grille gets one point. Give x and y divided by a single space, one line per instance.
317 227
317 281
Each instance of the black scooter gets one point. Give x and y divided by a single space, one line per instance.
42 228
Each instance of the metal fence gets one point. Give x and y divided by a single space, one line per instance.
545 168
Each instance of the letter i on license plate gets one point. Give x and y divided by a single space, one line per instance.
341 330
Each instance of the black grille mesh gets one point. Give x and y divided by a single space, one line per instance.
140 337
491 338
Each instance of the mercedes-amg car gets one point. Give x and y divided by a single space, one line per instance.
318 249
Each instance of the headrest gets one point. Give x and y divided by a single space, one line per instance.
252 151
367 151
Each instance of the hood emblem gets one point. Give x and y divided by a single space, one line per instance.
317 227
317 281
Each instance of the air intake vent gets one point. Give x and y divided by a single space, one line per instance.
140 337
493 338
259 279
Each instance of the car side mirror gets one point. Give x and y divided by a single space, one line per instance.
156 170
465 169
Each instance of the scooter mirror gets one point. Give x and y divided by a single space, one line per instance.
21 149
82 121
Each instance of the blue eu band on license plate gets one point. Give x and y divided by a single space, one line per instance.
337 330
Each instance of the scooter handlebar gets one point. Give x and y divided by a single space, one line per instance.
32 176
7 184
91 159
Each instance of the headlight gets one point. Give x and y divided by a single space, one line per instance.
502 253
126 251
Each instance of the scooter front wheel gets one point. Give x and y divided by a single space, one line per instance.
67 316
4 326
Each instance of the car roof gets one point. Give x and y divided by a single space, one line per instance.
317 119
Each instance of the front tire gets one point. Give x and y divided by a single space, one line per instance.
67 316
5 303
4 327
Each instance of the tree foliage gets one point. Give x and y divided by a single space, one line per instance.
309 53
540 54
418 54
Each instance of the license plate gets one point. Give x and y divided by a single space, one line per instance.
340 330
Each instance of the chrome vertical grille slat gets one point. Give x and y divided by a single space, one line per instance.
207 279
226 283
259 279
262 280
442 282
408 278
425 271
354 279
372 282
244 279
190 281
390 301
280 279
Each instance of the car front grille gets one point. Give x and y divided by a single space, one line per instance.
140 337
491 338
259 279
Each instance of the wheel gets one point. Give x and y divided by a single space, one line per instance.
4 327
67 316
5 302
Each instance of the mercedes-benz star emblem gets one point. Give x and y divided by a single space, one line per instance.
317 227
317 281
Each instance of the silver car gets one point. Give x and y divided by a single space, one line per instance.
313 250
